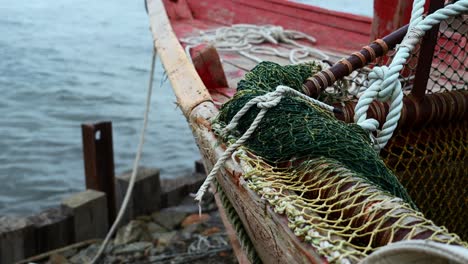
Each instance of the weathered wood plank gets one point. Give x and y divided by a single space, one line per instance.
53 228
187 85
334 30
89 209
17 239
236 246
146 196
269 232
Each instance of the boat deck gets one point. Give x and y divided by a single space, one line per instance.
234 64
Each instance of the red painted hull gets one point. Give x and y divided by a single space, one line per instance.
333 30
337 33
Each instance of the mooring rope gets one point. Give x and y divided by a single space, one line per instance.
384 85
136 162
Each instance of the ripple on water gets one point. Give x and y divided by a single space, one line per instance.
59 70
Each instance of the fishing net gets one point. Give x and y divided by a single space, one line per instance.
432 162
340 214
323 174
297 129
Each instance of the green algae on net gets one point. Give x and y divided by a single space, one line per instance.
296 129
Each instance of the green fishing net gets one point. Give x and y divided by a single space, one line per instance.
296 130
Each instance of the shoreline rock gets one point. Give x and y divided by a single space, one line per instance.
172 235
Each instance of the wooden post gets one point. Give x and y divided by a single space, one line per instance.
89 210
425 55
17 239
146 197
99 162
53 228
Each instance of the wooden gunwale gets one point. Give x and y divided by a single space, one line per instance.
187 85
269 232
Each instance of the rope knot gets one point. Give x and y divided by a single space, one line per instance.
378 73
269 100
369 124
383 86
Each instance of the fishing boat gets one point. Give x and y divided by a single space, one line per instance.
323 212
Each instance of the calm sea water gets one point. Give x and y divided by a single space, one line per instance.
63 63
66 62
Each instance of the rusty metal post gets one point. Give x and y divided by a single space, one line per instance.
426 53
99 162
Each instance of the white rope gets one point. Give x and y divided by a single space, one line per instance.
245 38
264 102
383 81
129 191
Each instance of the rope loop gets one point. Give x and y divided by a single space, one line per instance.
391 93
264 102
384 85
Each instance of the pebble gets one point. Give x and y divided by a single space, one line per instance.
169 219
136 230
86 255
195 219
211 231
58 259
155 228
165 239
167 236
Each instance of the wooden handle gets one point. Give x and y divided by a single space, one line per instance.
321 80
437 108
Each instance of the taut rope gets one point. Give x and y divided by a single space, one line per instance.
129 191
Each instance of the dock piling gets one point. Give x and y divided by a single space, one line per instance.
99 162
89 210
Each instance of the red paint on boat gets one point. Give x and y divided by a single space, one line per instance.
333 30
389 15
206 61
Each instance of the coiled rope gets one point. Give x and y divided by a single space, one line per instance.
384 85
243 38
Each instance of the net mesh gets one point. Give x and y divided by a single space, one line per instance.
295 128
342 216
431 163
450 62
324 175
449 68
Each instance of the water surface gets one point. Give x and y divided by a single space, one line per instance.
63 63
